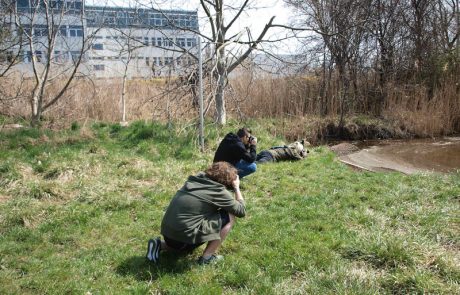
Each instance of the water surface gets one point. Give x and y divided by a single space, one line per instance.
439 155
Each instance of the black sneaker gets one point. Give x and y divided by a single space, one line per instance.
153 250
212 259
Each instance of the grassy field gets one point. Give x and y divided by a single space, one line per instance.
78 206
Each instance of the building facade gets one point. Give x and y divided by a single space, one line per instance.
112 41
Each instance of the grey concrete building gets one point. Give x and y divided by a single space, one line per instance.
112 41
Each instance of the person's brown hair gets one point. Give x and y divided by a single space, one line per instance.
222 172
243 132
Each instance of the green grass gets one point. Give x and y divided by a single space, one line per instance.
78 206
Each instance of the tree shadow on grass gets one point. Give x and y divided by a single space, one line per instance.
143 270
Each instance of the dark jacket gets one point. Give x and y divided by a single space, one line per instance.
192 216
232 150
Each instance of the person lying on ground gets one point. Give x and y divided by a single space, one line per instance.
239 150
294 151
202 211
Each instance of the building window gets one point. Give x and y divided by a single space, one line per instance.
181 42
168 60
159 42
75 55
155 60
146 41
63 31
75 31
99 67
191 42
73 5
168 42
97 46
39 56
23 3
27 56
40 31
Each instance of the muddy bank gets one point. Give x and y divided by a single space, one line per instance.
327 130
361 131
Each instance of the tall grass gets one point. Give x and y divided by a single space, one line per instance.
410 107
101 100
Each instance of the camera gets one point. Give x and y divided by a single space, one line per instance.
251 138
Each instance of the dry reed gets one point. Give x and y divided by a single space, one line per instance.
296 98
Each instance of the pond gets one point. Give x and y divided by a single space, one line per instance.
407 156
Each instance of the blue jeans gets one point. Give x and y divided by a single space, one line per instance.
245 168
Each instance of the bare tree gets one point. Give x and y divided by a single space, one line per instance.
53 58
341 24
227 50
10 53
125 52
10 43
385 28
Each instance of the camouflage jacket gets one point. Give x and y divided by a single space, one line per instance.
285 153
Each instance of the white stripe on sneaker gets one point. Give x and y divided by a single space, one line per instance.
149 250
156 255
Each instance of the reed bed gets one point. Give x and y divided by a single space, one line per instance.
412 108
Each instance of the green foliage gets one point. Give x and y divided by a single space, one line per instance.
75 126
76 211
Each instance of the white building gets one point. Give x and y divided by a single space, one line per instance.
115 41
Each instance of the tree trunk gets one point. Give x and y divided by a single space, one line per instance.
36 110
123 95
36 104
221 83
220 100
344 86
323 91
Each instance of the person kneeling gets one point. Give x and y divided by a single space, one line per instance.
203 210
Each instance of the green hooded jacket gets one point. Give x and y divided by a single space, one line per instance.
192 216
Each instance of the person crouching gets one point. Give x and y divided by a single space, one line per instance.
202 211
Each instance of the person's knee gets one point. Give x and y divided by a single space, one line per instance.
252 168
229 224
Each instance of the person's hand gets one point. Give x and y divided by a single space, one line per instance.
236 183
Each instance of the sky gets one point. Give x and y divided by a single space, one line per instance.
254 19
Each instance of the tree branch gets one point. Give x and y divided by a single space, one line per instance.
252 47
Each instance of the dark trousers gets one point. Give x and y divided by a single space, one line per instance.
264 157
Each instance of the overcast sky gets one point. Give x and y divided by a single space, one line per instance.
254 18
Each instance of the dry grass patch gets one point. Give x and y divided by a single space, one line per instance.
4 198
